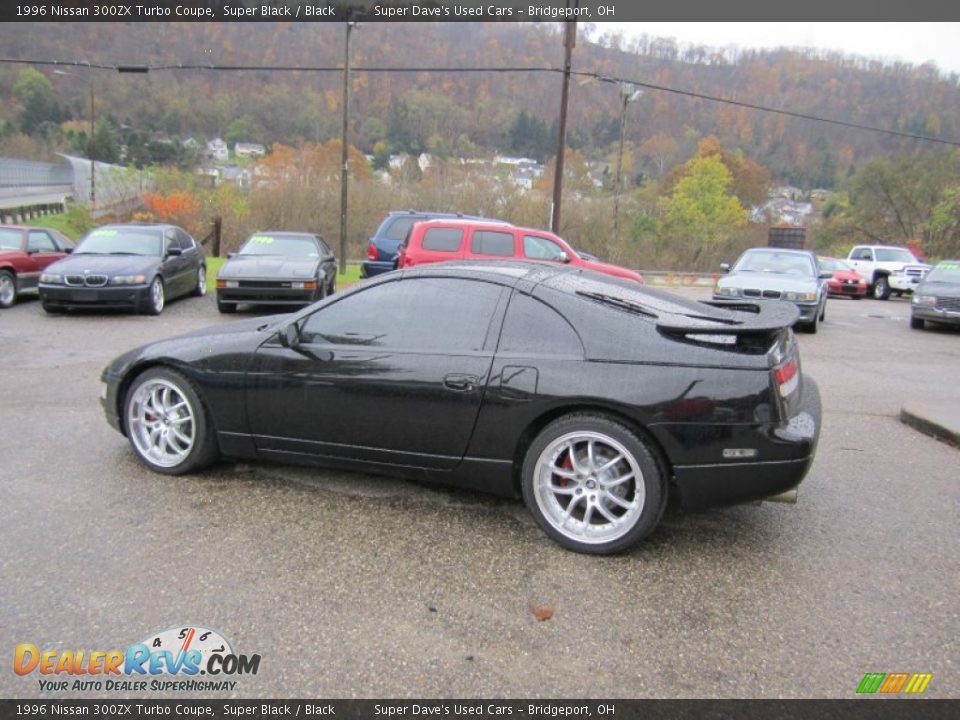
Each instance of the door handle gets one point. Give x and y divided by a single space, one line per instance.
461 383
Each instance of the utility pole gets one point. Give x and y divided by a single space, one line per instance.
344 139
93 154
569 40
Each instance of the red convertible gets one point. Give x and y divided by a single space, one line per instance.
24 253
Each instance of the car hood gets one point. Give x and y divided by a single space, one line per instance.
847 275
609 269
768 281
88 263
946 289
254 266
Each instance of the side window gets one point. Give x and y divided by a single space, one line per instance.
324 248
186 242
532 326
424 314
863 254
442 239
170 240
39 241
539 248
487 242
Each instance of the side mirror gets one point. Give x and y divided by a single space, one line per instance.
67 250
172 252
230 255
289 336
563 257
725 267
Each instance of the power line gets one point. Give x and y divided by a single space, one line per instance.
144 69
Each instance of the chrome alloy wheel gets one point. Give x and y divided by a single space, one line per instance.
589 487
161 423
201 281
8 289
156 296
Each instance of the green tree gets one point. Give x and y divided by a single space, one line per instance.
700 211
37 101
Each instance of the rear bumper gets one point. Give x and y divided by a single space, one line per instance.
794 444
132 297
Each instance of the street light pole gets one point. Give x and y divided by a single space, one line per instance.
344 139
93 153
627 94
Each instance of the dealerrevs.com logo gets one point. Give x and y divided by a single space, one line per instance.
170 660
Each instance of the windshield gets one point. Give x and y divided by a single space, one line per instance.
945 272
775 262
10 239
833 265
298 246
895 255
121 241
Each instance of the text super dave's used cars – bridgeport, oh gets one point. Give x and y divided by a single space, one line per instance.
591 396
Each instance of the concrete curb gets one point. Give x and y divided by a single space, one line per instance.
940 423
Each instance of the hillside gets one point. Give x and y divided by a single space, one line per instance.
477 112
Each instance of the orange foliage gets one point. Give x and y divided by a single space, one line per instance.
179 207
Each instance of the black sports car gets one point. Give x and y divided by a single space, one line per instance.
593 398
138 266
277 268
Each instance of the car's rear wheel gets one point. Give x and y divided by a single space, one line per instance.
156 297
167 423
201 289
8 288
881 288
592 484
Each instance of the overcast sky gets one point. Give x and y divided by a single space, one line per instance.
915 43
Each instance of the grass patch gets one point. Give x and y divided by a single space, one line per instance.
344 280
74 223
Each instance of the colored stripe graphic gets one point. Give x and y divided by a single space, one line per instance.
918 683
870 683
894 683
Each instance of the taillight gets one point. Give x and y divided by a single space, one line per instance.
787 377
372 252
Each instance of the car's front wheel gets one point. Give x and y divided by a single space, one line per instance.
8 288
592 484
156 297
916 323
881 288
167 423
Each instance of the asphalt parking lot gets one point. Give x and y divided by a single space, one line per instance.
351 585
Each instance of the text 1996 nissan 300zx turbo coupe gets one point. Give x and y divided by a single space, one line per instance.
593 398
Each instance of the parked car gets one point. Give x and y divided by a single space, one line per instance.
778 274
937 298
887 269
591 397
844 281
24 253
137 266
443 240
385 243
277 268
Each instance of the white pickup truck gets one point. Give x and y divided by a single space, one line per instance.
887 269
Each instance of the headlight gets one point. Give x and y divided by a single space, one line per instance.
800 297
727 291
128 280
924 300
52 278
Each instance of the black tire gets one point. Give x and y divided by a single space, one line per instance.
201 287
8 289
600 484
333 286
881 288
190 418
916 323
156 297
823 311
225 308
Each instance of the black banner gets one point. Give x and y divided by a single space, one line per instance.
592 11
880 709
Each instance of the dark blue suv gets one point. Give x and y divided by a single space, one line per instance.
385 243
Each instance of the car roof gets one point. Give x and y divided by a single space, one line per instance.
781 251
466 221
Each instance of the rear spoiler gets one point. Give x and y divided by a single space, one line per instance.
732 317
